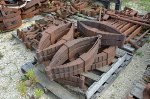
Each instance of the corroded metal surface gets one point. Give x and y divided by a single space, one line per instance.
65 9
66 56
81 63
32 8
53 38
32 35
66 53
110 36
129 23
9 18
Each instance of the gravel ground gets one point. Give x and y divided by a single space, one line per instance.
133 72
13 55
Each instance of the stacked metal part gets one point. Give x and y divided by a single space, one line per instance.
32 8
9 18
13 11
129 23
32 35
65 57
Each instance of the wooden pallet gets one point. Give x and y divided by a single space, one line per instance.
97 80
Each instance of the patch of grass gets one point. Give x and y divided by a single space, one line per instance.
141 4
141 54
24 78
31 76
22 88
38 93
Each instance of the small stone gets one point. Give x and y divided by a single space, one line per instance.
28 83
32 97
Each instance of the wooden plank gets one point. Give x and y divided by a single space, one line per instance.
26 67
96 85
104 68
91 76
120 52
128 48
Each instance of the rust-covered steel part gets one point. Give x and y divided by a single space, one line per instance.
53 38
66 56
110 36
80 53
63 9
32 8
129 23
9 18
128 15
31 37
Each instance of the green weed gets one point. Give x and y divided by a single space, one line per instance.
38 93
22 88
31 76
141 54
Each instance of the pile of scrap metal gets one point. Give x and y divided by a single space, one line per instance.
65 9
66 55
32 35
28 8
10 18
128 22
32 8
13 11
